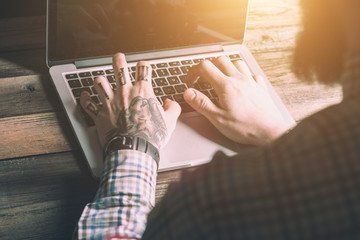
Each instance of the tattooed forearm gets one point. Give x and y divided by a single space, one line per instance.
103 91
143 118
92 108
143 72
122 79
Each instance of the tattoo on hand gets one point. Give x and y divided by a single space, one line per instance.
122 78
92 108
103 90
143 118
143 72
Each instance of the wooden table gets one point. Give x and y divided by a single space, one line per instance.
44 181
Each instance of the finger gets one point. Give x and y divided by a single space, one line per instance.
208 72
225 65
200 103
242 68
143 73
89 105
104 90
121 71
172 112
260 80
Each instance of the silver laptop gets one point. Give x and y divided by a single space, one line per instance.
172 35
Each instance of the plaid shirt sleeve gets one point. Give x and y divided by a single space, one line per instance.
125 197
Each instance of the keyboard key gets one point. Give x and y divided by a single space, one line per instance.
182 78
205 85
162 65
85 74
154 75
158 91
161 82
234 56
215 101
96 99
111 78
185 69
213 93
110 71
153 83
153 66
196 86
210 58
180 88
186 108
174 64
98 73
133 75
113 86
187 62
175 71
74 83
197 61
162 72
169 90
166 97
94 90
87 82
77 92
133 69
173 80
179 98
71 76
206 93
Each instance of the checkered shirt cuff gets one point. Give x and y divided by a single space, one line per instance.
125 197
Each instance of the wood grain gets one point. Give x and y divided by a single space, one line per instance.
44 178
29 94
33 134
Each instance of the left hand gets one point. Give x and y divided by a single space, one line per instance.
246 113
131 109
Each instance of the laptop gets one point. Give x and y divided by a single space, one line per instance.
172 35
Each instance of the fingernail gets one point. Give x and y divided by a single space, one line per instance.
190 94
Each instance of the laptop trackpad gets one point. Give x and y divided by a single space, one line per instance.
194 141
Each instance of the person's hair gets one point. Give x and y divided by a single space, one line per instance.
320 47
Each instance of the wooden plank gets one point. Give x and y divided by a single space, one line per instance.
43 196
301 99
35 134
23 63
27 95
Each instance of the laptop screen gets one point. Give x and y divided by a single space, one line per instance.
80 29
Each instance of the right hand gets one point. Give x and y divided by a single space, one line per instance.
246 113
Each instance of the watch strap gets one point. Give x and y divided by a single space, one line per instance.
126 142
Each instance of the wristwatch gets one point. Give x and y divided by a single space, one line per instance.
121 142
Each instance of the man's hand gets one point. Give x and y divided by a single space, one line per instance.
246 112
133 108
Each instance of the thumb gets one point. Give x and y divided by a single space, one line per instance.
172 111
200 102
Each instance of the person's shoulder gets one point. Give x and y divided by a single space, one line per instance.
337 125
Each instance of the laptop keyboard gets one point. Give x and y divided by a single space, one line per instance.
168 81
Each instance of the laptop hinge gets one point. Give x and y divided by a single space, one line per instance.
93 62
152 55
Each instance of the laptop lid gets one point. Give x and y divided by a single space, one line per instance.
87 29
